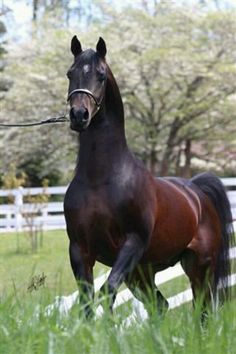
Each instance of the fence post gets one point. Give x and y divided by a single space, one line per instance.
44 212
18 208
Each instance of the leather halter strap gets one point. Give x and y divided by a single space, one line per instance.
87 92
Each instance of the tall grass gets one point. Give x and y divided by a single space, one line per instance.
26 328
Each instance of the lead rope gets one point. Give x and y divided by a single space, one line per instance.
60 119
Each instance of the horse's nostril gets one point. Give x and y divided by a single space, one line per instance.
86 115
72 114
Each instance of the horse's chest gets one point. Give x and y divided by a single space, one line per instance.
102 234
92 219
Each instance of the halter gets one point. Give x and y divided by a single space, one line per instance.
87 92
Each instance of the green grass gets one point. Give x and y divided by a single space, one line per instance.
18 265
26 329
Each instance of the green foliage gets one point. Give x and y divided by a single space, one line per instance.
38 203
37 172
4 82
13 179
176 71
178 75
43 151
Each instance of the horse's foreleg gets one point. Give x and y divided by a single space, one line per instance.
84 277
128 257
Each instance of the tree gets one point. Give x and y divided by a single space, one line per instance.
5 81
178 75
4 84
41 94
39 91
67 11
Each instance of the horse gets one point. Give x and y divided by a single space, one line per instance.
119 214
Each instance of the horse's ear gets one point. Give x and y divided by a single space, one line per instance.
101 47
76 48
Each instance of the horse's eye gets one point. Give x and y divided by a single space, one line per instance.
101 76
69 74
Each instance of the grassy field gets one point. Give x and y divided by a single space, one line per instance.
25 328
18 265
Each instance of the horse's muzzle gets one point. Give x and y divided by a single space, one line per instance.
79 118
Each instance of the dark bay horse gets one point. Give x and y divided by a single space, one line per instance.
117 213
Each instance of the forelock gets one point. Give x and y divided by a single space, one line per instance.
88 57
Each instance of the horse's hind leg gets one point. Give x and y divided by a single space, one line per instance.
198 262
141 283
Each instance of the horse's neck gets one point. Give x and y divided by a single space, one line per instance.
102 151
103 147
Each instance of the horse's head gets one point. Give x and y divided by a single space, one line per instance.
87 77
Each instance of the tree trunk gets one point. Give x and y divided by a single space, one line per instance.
35 10
153 162
171 143
186 172
183 162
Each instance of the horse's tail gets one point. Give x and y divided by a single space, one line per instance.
214 189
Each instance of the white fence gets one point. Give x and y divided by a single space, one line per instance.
65 303
49 215
19 215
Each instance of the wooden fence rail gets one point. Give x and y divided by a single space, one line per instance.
17 215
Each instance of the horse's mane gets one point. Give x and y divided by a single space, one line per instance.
113 96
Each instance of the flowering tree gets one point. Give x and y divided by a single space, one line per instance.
176 70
